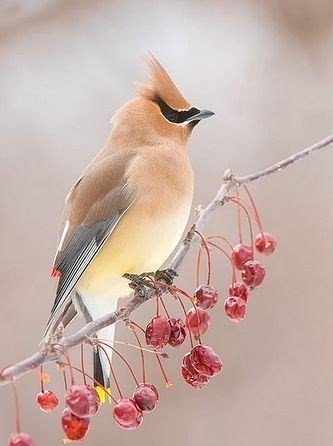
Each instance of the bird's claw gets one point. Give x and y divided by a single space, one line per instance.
139 281
166 275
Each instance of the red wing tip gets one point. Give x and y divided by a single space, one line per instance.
55 272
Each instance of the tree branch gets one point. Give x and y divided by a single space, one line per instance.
52 351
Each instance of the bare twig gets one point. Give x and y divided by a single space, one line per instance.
50 352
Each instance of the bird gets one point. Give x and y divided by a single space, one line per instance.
128 209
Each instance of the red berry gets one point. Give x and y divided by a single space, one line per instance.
241 254
47 401
235 308
146 397
253 273
178 332
197 321
21 439
158 332
83 401
192 376
206 296
205 361
74 427
127 415
239 289
265 243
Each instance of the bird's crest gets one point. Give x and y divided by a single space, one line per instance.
160 86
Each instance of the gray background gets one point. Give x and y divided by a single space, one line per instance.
265 67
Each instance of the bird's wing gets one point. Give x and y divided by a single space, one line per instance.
94 206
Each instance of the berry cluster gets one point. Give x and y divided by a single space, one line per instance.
198 366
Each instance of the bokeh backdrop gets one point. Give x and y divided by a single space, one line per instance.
266 68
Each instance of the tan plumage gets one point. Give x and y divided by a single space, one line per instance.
128 210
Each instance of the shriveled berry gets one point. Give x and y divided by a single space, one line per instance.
83 401
158 332
178 332
146 397
197 321
235 308
21 439
253 273
126 414
75 428
239 289
206 296
265 243
205 361
191 375
47 401
241 254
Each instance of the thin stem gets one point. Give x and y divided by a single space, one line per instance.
65 379
65 353
157 305
167 382
121 357
112 370
234 200
229 257
184 310
220 237
82 363
179 290
142 356
208 256
17 408
254 207
41 379
164 308
198 265
128 344
239 222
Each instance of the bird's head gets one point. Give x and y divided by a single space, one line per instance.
159 113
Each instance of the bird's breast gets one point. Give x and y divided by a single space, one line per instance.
139 243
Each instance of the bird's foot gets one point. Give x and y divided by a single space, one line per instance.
140 281
166 275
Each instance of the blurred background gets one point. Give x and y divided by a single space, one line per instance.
266 68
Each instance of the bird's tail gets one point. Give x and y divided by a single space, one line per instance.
102 354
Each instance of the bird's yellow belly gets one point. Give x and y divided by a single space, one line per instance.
138 244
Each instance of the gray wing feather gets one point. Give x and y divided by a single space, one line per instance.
81 250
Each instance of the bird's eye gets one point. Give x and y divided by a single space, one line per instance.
172 117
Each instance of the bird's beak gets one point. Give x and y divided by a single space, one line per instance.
202 114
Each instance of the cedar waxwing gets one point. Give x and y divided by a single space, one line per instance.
128 210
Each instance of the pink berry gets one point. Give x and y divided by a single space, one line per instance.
265 243
206 296
83 401
241 254
235 308
127 415
253 273
205 361
178 332
47 401
192 376
74 427
158 332
197 321
146 397
21 439
239 289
